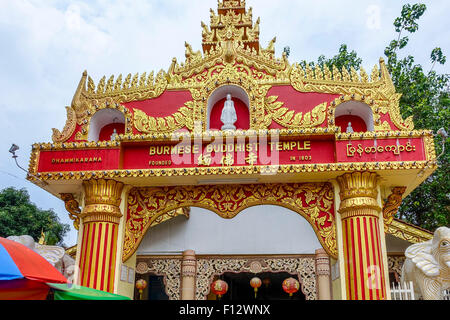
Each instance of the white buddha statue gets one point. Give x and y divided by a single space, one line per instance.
114 135
349 128
228 116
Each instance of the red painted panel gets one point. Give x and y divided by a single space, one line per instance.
242 112
299 101
165 105
78 160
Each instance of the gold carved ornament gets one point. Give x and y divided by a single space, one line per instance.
392 204
73 208
289 119
231 56
378 90
303 267
69 128
180 119
408 232
170 269
314 201
111 93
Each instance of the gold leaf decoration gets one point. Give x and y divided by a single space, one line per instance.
69 128
180 119
289 119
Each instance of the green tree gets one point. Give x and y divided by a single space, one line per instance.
18 216
425 96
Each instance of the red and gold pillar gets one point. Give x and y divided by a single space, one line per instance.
363 250
101 216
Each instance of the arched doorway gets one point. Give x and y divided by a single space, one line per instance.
313 201
266 240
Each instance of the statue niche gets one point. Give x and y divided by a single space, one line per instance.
229 111
229 116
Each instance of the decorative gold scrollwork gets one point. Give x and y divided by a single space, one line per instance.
69 128
72 207
392 204
289 119
182 118
314 201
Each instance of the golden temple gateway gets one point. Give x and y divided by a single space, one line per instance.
236 164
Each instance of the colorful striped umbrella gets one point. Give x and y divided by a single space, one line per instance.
24 273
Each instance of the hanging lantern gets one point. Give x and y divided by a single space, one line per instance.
255 283
219 287
291 286
266 282
141 284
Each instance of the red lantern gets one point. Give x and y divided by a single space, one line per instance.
141 284
219 287
255 283
291 286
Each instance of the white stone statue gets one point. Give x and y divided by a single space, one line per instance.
114 135
427 265
349 128
55 255
229 116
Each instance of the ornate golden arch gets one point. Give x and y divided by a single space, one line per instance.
313 201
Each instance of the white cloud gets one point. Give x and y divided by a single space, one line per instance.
47 44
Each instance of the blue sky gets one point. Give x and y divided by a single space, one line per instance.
47 44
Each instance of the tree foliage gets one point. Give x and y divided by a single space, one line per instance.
425 96
19 216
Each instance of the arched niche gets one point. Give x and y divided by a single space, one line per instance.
241 103
103 123
359 114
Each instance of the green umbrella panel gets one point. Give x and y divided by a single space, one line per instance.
67 291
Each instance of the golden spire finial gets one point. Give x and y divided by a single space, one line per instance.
42 239
232 23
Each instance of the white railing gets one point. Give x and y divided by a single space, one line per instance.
402 291
446 294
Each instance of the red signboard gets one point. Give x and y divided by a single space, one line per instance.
228 154
248 152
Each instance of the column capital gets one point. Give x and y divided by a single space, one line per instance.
102 201
359 194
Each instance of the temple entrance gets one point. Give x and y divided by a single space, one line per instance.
155 289
270 289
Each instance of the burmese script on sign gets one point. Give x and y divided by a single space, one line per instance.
395 149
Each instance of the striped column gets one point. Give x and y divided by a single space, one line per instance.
360 214
101 216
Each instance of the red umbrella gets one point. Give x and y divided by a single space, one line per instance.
23 273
